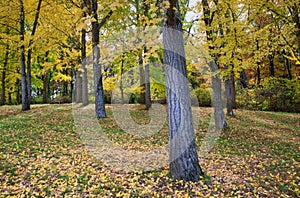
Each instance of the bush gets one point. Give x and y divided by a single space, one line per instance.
203 95
37 100
274 94
61 99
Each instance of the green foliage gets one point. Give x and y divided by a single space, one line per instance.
61 99
158 91
203 94
274 94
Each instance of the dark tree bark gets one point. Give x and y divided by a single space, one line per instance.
287 66
147 66
29 52
145 95
98 84
45 90
258 74
18 94
121 81
295 13
140 58
184 162
25 101
45 87
271 64
9 98
3 95
71 83
228 93
85 96
142 80
147 87
78 87
258 66
244 79
66 85
232 91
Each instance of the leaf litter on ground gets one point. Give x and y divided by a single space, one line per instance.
42 154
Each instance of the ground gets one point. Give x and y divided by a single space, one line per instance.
42 154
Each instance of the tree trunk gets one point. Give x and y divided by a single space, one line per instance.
258 75
296 19
85 96
45 82
146 65
229 84
29 75
45 87
121 81
78 87
287 66
3 95
18 94
25 101
65 85
147 87
244 79
217 102
232 91
9 98
184 163
228 97
98 84
216 79
258 66
142 79
35 23
71 83
271 64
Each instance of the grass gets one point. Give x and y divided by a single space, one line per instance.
42 153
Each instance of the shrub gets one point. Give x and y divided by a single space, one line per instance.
274 94
203 94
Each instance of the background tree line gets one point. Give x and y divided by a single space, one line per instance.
255 46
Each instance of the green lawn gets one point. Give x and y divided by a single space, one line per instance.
42 154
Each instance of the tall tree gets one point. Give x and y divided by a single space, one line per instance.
184 162
85 99
217 102
146 64
25 101
98 84
45 78
29 51
3 93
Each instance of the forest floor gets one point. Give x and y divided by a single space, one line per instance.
42 153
